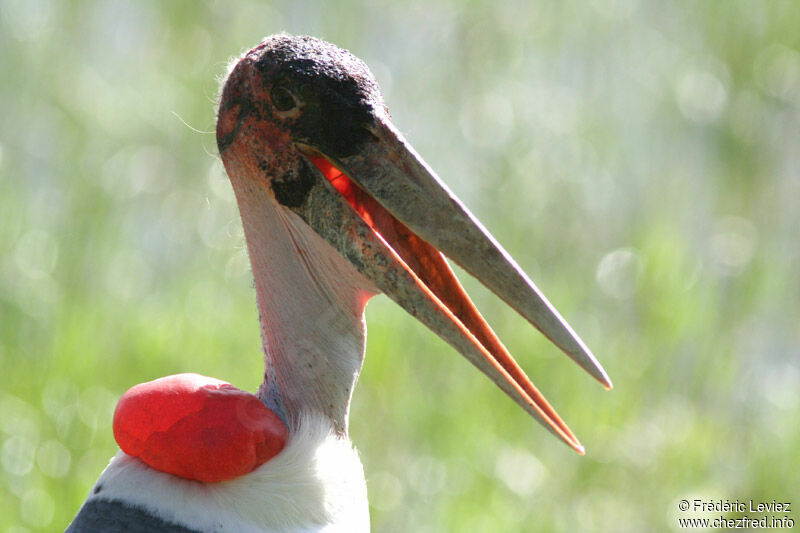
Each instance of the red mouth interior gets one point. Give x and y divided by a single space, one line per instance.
364 204
430 266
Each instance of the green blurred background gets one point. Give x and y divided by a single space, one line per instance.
640 159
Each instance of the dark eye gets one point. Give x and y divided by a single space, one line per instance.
281 98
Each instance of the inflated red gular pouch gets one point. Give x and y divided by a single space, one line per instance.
197 427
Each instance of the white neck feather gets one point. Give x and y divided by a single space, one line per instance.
316 484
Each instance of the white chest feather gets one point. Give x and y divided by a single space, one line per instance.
316 484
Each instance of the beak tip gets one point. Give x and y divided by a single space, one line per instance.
605 381
590 363
578 447
572 440
577 350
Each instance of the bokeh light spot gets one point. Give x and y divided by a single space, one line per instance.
17 455
520 471
618 273
385 490
777 72
36 254
701 95
733 244
53 459
37 507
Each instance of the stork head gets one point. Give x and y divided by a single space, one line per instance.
293 92
302 127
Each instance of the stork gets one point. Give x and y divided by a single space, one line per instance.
336 208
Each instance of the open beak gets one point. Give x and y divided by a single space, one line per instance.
389 214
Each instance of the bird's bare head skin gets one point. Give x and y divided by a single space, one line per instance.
303 131
297 90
